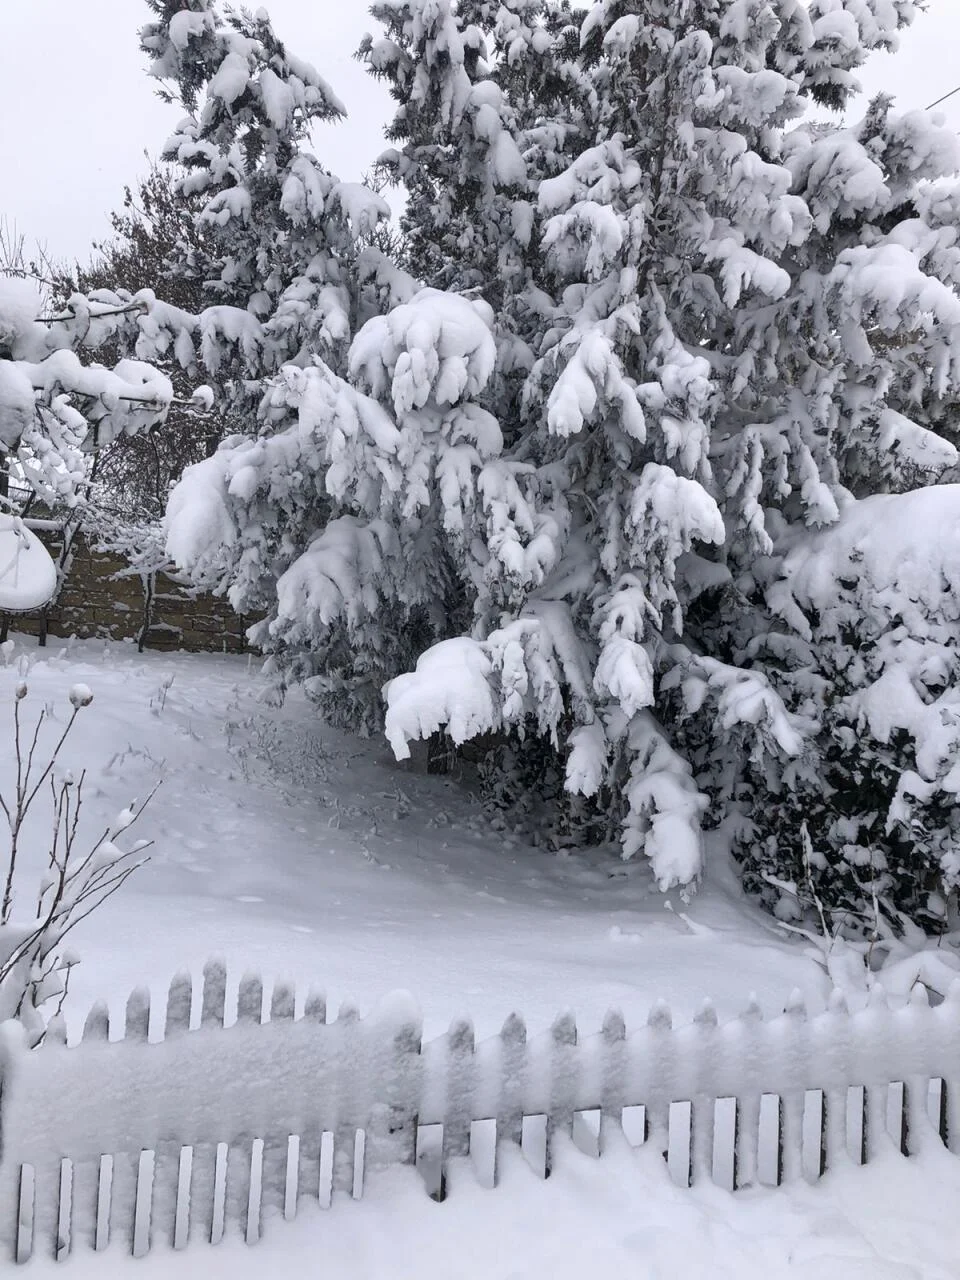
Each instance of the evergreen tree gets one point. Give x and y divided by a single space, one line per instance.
685 399
490 102
285 259
680 331
155 235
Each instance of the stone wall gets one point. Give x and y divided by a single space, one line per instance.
102 598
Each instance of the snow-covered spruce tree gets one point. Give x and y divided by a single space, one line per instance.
472 82
278 226
697 398
727 347
491 100
289 272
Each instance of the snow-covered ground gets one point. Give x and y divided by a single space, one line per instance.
299 852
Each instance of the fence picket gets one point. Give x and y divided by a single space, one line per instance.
948 1014
276 1145
704 1104
564 1079
179 1002
658 1035
459 1070
951 1112
794 1029
55 1035
282 1001
96 1026
349 1071
310 1146
748 1031
513 1063
137 1019
250 999
613 1077
834 1044
916 1129
315 1008
214 993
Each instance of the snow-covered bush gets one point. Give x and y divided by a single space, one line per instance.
58 407
866 821
53 877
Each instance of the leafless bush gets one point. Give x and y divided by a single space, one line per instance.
78 874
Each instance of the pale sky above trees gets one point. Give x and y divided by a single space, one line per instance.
78 111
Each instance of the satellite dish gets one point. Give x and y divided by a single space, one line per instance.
28 576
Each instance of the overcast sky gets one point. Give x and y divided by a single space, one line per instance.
77 111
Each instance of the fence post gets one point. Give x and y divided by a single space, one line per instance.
564 1075
703 1107
459 1069
795 1046
750 1034
276 1146
613 1054
513 1063
392 1130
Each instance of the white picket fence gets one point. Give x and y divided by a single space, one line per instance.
171 1134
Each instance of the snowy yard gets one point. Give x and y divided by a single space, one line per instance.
609 425
293 850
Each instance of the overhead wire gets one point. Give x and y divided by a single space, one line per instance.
943 99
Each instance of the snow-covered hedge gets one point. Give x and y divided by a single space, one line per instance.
866 819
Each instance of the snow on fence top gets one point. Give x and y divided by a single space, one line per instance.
241 1098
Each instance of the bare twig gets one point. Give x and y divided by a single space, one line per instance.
75 883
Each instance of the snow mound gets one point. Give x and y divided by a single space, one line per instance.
28 576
